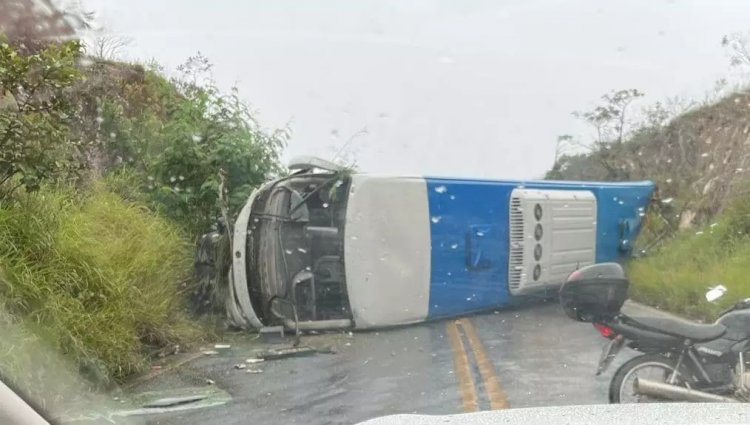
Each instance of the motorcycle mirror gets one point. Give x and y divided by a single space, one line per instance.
715 293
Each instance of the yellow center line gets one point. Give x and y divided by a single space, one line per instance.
461 366
492 386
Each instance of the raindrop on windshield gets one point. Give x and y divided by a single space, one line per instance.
441 189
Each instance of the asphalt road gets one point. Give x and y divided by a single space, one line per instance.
525 357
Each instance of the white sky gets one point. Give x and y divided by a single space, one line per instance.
452 88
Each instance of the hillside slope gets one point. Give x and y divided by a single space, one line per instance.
696 234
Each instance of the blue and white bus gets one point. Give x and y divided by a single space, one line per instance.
323 248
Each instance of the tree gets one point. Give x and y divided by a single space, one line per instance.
610 121
209 133
737 46
35 139
109 46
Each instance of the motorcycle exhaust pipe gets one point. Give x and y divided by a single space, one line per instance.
673 392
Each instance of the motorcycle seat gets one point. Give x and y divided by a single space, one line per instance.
674 325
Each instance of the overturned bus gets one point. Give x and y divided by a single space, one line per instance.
324 248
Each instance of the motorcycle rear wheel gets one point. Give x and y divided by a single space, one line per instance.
620 388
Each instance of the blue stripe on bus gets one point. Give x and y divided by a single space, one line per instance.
469 236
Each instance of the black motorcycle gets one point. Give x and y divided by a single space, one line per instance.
680 360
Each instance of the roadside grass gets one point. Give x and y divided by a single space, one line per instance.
677 276
94 277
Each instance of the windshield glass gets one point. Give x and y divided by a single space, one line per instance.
335 211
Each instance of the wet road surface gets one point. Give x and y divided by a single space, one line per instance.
525 357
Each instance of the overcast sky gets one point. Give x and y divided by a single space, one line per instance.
451 88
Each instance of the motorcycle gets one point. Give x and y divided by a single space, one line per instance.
678 360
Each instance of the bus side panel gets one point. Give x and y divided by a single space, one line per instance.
469 237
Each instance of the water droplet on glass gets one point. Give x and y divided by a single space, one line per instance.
436 219
441 189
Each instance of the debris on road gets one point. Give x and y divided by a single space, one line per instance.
281 353
173 401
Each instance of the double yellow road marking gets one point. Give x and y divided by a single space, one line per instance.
466 386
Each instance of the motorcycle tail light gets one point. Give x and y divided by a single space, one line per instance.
605 330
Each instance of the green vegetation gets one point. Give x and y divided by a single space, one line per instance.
98 275
108 174
679 274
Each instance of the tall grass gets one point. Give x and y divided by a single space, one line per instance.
678 275
96 277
